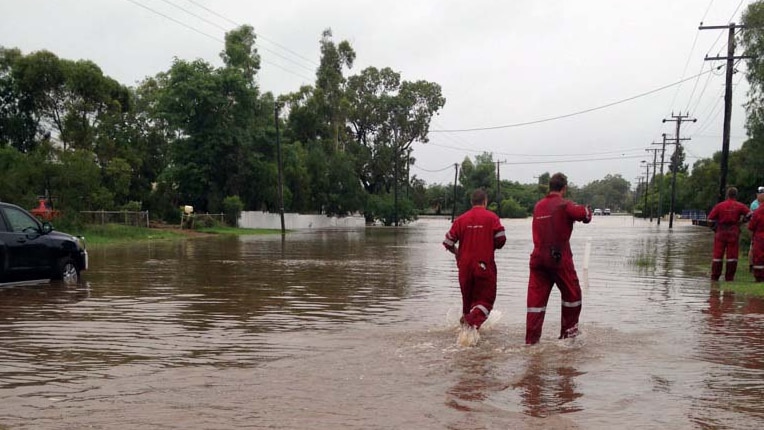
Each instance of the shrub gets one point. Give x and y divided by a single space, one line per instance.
232 207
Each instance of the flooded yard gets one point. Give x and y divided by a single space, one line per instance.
357 328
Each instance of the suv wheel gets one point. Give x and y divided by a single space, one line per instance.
67 272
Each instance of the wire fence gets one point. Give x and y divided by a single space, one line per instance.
137 219
194 220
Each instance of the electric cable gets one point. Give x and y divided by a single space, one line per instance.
689 57
225 29
581 112
450 166
192 28
260 35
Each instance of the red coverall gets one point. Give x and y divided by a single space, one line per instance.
727 216
552 263
757 229
479 232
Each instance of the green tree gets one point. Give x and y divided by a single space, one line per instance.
510 208
330 85
18 120
212 116
480 174
386 116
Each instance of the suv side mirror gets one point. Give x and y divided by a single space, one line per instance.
46 227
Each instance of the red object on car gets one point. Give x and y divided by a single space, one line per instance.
44 211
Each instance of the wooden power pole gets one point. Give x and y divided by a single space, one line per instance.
678 119
730 58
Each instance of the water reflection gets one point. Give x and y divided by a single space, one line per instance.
477 379
338 328
735 347
548 387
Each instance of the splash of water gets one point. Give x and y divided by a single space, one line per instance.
468 336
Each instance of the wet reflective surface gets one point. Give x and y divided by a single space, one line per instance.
357 329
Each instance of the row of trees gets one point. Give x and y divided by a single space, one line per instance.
207 136
198 134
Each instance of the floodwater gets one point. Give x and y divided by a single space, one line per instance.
357 329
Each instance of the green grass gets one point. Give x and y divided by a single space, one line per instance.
238 231
744 283
108 234
644 261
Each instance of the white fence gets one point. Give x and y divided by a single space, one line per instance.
293 221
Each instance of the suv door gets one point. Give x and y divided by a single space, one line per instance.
25 247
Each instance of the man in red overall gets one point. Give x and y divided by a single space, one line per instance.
479 232
552 260
756 225
726 218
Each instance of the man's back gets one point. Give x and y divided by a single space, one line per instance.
476 230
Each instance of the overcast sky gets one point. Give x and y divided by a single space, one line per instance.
498 63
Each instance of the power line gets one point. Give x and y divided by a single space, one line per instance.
736 9
227 29
689 57
260 35
176 21
581 112
192 28
537 155
450 166
702 92
715 110
584 160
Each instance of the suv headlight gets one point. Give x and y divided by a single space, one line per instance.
80 241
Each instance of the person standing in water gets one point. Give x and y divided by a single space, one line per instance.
726 218
479 233
551 261
756 225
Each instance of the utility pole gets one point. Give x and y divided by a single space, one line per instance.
456 175
498 183
408 171
660 184
647 188
655 167
395 188
730 58
281 181
678 119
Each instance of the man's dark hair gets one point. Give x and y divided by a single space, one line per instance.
557 182
731 193
478 197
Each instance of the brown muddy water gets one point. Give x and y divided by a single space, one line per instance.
357 329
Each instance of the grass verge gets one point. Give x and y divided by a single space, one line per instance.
111 234
744 283
108 234
237 231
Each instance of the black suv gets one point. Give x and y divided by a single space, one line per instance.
30 251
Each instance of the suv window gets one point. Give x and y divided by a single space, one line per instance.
18 220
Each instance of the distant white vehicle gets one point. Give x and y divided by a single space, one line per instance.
598 211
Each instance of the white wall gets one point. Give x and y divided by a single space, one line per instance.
293 221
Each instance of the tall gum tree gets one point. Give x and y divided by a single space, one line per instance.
386 117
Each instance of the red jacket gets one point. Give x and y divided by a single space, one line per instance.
553 219
479 233
756 225
728 215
